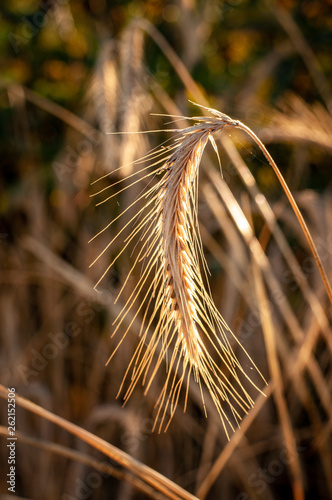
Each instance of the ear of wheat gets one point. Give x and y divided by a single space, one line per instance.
187 329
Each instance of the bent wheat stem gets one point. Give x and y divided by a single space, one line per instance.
294 206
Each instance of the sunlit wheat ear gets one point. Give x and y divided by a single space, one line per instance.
180 321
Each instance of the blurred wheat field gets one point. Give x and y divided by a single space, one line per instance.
266 64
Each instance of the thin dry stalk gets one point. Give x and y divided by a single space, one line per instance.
283 305
149 476
313 301
275 370
77 456
60 112
174 59
294 206
231 446
304 50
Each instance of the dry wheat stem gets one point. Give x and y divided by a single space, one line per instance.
135 467
294 206
173 290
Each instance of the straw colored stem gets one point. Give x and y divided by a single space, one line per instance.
294 207
148 475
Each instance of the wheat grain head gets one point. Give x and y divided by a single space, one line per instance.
187 329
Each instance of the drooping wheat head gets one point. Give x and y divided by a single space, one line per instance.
187 329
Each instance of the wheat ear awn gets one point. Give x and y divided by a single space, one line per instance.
187 329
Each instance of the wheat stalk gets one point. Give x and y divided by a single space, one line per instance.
188 330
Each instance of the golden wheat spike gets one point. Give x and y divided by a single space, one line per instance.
187 329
